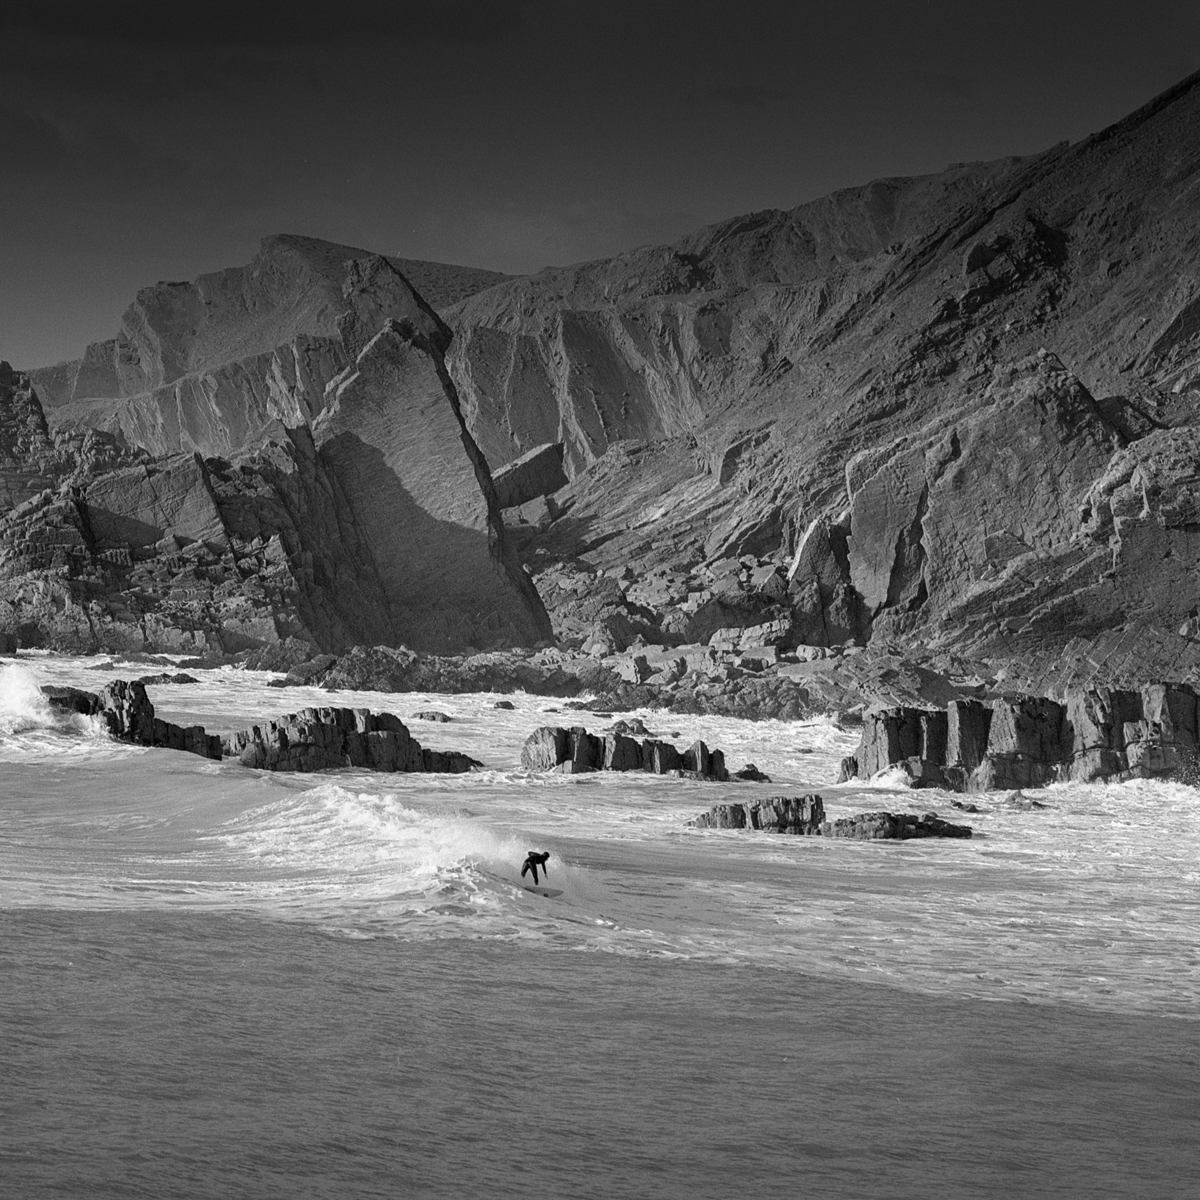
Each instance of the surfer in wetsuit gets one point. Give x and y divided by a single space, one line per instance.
534 860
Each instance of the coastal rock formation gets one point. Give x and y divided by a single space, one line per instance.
805 815
129 716
322 739
1030 741
574 751
874 826
108 548
965 416
778 814
232 358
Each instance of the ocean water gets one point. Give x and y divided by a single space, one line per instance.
216 982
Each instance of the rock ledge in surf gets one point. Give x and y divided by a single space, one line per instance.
574 751
322 739
805 816
126 710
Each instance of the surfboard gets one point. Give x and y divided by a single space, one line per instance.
538 890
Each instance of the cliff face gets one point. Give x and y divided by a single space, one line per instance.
219 556
958 410
228 360
381 528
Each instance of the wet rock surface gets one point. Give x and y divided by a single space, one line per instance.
128 715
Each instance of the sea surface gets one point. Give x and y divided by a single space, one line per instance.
216 982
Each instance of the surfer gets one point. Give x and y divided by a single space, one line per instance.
534 860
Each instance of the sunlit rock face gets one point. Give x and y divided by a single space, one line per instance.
955 410
290 429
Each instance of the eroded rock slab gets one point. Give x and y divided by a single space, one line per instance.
575 751
323 739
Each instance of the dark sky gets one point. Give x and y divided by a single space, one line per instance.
158 139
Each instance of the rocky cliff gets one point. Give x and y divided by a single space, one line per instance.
110 548
951 418
956 412
291 463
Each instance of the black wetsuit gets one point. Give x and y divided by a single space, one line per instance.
533 861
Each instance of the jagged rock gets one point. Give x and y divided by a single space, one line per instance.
574 751
507 705
992 501
877 825
178 677
431 714
377 524
544 749
129 716
321 739
804 815
1016 742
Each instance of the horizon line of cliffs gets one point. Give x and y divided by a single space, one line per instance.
1021 741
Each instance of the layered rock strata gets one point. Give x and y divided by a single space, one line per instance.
965 418
574 751
322 739
1030 741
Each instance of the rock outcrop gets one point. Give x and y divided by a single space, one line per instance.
574 751
323 739
538 472
874 826
779 814
129 716
1030 741
805 815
